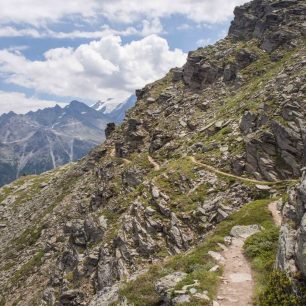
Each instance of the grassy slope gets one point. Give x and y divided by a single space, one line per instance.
197 262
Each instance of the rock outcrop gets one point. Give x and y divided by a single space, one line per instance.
292 242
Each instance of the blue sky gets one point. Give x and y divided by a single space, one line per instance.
53 51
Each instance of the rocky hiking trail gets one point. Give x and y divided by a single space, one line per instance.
276 214
240 178
157 167
153 163
237 282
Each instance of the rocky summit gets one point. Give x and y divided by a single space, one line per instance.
150 216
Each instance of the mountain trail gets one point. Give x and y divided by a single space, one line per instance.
244 179
113 154
276 214
153 163
237 282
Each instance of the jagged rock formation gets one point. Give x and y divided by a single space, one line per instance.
292 241
74 235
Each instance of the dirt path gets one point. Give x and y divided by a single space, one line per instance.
113 154
276 214
153 163
243 179
237 283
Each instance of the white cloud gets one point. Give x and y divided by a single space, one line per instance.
148 27
13 32
151 27
21 104
196 10
184 26
204 42
101 69
37 12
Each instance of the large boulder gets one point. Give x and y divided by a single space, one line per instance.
72 298
110 128
166 284
244 231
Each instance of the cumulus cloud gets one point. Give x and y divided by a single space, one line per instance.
98 70
203 42
196 10
184 26
38 12
22 104
150 26
9 31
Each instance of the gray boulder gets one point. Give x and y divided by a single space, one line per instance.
110 128
244 231
166 284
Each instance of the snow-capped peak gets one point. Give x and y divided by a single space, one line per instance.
109 105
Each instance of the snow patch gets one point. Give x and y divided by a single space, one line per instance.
108 105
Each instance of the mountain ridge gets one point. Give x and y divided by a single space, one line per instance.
87 129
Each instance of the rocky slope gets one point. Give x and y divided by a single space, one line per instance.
226 129
42 140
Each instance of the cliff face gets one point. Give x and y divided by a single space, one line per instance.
291 255
224 130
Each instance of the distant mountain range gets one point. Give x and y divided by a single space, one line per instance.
114 110
42 140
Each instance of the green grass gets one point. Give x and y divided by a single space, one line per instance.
278 290
140 160
8 265
25 270
142 291
28 237
5 192
2 301
197 262
175 170
181 172
261 250
256 212
273 287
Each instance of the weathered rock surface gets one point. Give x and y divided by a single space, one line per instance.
165 285
245 231
292 241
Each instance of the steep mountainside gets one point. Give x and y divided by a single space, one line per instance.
42 140
139 221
